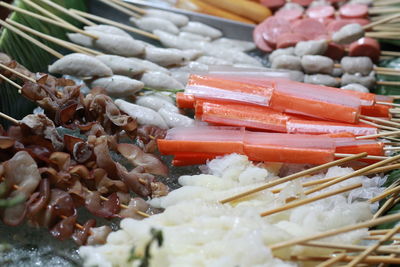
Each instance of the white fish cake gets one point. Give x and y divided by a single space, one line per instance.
281 51
118 45
148 65
348 34
107 29
194 37
311 48
322 79
367 81
287 62
317 64
352 65
81 39
296 75
173 41
122 65
174 119
177 19
208 60
152 23
143 115
160 80
235 44
80 65
164 56
356 87
156 103
180 76
191 54
202 29
118 86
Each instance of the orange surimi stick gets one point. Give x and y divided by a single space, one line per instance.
264 118
184 100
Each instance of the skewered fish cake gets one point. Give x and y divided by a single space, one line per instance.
153 23
317 64
348 34
352 65
311 48
367 81
160 80
356 87
80 65
281 51
148 65
118 86
118 45
175 119
122 65
164 56
321 79
234 44
155 102
286 62
143 115
208 60
107 29
202 29
178 19
194 37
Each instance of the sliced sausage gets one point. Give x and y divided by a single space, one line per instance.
288 40
273 28
335 51
336 25
310 28
321 12
259 39
303 2
273 4
353 11
365 47
289 14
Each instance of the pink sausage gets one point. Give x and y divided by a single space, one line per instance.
353 11
274 27
303 2
289 14
365 47
321 12
310 28
289 39
259 40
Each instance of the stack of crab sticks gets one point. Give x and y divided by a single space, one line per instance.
274 120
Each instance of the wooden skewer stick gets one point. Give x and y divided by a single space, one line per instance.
42 18
11 119
379 125
67 12
345 229
385 3
382 249
60 42
368 260
342 155
391 148
29 38
388 104
394 133
377 237
23 76
305 201
381 21
387 71
47 12
131 7
387 205
332 260
120 8
294 176
353 174
11 82
389 192
116 24
388 122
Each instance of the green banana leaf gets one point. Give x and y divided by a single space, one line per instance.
29 55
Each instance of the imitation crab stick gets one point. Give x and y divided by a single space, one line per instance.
264 118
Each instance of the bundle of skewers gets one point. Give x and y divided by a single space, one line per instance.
255 112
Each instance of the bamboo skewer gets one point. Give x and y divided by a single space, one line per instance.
378 135
370 223
353 174
11 82
372 248
116 24
381 21
369 260
42 18
379 125
332 260
378 237
130 6
381 249
293 176
23 76
120 8
11 119
305 201
388 192
387 205
67 12
29 38
388 122
60 42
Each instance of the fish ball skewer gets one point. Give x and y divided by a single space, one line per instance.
310 48
348 34
152 23
352 65
317 64
367 81
281 51
322 79
202 29
355 87
287 62
118 86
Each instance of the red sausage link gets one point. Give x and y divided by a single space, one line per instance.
303 2
365 47
259 39
274 27
335 51
289 39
